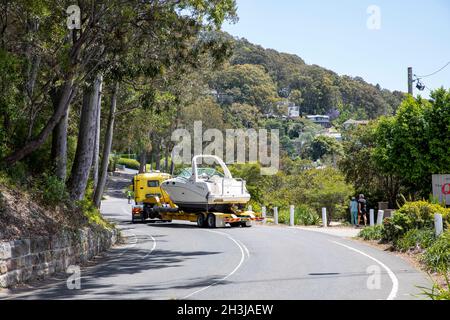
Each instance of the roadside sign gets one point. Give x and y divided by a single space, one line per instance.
441 187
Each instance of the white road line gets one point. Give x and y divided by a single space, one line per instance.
394 291
144 234
231 273
245 248
152 249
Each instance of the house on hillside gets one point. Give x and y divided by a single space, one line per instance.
332 134
354 123
323 121
293 111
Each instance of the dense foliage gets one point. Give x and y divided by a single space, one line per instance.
315 89
398 155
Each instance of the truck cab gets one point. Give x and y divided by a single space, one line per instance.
148 194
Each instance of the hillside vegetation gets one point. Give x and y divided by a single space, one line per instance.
260 77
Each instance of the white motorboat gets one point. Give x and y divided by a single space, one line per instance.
207 189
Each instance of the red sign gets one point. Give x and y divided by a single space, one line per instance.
446 189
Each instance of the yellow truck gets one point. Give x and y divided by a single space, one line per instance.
153 203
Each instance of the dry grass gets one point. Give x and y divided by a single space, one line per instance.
21 216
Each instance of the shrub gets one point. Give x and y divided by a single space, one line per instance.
438 291
17 174
306 216
413 215
303 215
113 160
372 233
396 226
422 213
53 190
437 257
129 163
416 239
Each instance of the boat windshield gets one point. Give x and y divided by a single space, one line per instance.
203 173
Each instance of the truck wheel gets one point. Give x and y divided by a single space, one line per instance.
211 221
200 220
246 225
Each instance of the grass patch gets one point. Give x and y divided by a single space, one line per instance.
372 233
416 239
437 257
303 216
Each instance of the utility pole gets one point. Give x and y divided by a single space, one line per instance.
410 81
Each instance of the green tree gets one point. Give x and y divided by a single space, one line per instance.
362 171
402 147
322 146
246 84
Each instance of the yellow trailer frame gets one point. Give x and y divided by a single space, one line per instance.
155 204
203 219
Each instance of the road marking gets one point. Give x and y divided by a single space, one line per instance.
241 248
245 248
394 291
152 249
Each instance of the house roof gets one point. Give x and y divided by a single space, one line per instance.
356 122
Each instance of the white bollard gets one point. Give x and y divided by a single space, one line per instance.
372 217
324 218
292 215
264 213
275 215
380 217
250 208
438 224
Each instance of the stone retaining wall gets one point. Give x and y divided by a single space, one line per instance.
28 259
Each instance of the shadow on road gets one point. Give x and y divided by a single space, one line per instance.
126 264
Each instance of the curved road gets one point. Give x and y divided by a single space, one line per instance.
180 261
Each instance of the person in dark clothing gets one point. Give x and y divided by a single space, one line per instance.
362 209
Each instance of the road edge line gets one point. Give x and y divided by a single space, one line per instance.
227 276
394 279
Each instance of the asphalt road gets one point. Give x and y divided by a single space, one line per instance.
180 261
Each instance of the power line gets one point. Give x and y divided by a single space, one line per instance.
432 74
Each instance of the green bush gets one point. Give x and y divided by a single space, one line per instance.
306 216
396 226
53 190
437 257
112 164
422 213
303 215
415 238
129 163
372 233
17 174
413 215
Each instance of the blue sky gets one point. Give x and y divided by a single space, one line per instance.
334 35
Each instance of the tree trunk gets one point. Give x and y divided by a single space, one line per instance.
67 95
151 161
98 111
166 159
59 139
106 148
158 156
143 162
85 147
172 164
59 147
34 63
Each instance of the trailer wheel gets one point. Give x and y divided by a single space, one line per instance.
211 221
200 220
